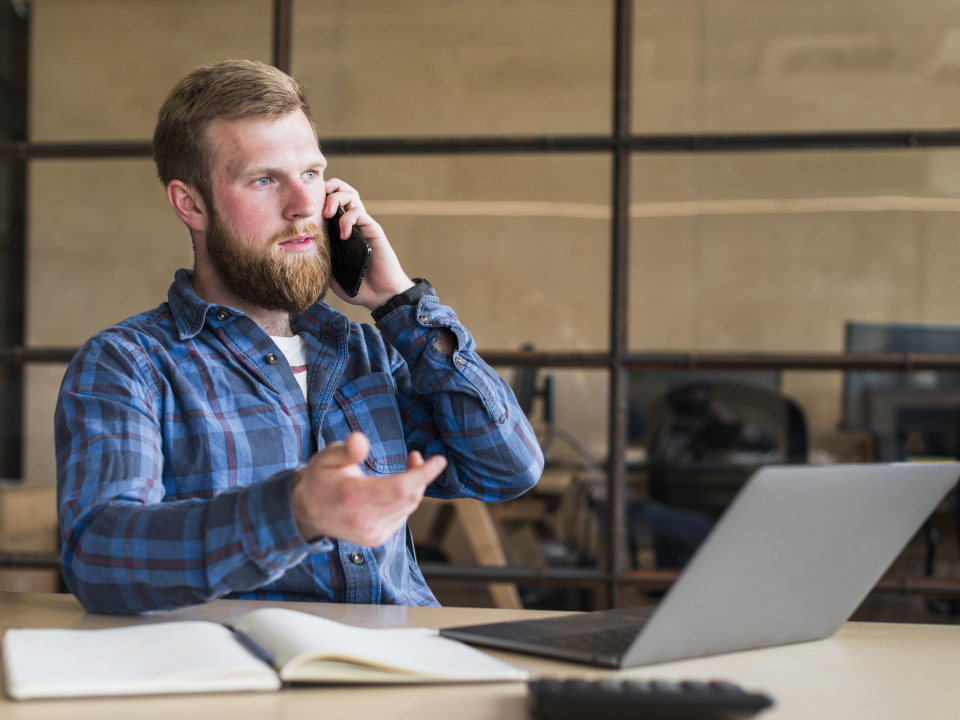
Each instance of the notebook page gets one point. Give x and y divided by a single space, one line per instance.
295 639
175 657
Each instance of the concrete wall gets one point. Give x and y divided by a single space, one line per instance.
733 275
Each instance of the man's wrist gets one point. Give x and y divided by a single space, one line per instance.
390 292
410 296
308 530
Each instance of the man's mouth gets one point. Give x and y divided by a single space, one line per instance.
299 239
300 242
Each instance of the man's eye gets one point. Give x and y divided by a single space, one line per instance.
311 174
262 181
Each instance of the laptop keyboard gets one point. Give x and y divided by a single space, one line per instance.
612 641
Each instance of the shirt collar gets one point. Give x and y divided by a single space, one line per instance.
320 317
190 311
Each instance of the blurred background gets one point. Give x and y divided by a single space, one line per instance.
775 252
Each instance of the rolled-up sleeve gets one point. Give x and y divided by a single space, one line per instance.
123 549
459 407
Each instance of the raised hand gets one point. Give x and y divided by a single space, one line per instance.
332 498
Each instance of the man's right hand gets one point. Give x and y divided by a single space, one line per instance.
331 497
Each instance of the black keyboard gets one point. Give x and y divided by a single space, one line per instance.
612 641
646 699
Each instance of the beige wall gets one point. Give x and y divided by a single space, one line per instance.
103 245
439 67
100 68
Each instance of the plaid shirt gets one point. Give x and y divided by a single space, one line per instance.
178 432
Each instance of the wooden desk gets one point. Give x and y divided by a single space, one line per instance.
868 670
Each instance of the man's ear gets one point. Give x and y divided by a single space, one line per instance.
188 205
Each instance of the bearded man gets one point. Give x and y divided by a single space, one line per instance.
245 440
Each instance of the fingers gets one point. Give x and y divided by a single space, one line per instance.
349 219
352 452
414 459
353 211
384 490
335 185
358 446
333 497
427 470
408 487
377 506
345 196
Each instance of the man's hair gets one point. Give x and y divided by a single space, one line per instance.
231 90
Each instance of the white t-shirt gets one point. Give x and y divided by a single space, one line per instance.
294 349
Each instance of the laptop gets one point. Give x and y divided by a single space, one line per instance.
793 556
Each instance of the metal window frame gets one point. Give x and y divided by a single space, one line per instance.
621 144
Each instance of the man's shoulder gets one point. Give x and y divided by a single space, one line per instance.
145 330
117 355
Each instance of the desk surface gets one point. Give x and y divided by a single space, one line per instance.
867 670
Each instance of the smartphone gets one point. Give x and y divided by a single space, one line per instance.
348 258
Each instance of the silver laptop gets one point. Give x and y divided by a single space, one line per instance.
791 559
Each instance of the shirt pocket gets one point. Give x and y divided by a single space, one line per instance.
369 405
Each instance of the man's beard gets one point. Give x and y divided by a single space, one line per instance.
257 274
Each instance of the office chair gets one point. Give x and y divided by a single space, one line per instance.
707 438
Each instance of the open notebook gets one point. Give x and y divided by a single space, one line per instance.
265 648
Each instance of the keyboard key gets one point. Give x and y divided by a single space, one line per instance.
725 687
665 686
613 641
636 686
609 686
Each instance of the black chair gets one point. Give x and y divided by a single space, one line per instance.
706 439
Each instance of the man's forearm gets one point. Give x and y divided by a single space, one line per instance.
472 417
126 557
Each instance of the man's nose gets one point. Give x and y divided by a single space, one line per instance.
300 202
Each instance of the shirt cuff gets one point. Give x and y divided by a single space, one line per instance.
413 330
267 525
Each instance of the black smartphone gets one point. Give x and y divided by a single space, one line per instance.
348 258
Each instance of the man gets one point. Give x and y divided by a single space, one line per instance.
243 439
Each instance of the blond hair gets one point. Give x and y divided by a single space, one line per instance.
231 90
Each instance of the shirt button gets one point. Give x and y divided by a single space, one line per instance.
271 359
356 558
222 315
424 320
459 361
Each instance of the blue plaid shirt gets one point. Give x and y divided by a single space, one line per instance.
177 441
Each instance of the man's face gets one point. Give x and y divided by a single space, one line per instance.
265 238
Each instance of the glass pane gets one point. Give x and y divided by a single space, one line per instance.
776 252
756 65
518 246
820 395
577 435
431 67
666 66
100 69
41 387
103 245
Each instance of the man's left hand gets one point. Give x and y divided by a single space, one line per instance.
384 277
